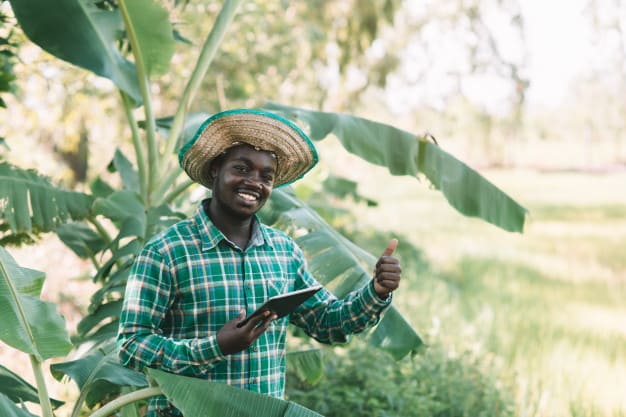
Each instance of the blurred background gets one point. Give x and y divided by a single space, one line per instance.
530 93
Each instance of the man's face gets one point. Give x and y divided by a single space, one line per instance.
243 181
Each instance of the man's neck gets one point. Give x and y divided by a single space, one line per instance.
236 229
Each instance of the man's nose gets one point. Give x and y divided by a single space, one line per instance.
255 179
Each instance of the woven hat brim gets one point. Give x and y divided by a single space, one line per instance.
295 152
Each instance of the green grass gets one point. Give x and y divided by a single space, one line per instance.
549 304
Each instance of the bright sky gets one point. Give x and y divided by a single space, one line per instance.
558 51
559 45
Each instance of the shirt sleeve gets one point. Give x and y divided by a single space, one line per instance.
330 320
141 343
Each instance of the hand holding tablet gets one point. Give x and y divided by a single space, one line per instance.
283 304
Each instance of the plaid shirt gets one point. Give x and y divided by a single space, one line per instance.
189 280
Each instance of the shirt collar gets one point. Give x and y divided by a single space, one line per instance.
211 236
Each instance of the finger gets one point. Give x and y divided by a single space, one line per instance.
267 322
391 276
240 318
258 319
393 244
389 284
257 331
387 269
390 266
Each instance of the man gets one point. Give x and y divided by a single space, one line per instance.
193 283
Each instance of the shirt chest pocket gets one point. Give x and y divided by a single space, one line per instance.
275 284
275 281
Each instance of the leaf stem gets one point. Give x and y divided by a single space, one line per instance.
21 314
168 181
101 230
144 88
42 389
139 154
207 54
176 191
111 407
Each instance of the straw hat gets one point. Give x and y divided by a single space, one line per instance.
266 131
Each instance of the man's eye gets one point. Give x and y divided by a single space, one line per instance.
240 168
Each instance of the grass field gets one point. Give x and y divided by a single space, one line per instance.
548 304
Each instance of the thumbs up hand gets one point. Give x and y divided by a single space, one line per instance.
387 271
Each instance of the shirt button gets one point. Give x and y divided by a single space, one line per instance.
255 348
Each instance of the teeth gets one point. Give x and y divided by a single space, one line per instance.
247 197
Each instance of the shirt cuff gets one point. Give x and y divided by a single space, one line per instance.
210 351
372 298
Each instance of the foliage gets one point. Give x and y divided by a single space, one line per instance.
404 154
33 203
131 43
196 397
362 382
18 390
8 48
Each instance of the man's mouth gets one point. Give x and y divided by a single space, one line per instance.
248 196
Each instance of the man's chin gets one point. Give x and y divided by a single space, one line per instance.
248 210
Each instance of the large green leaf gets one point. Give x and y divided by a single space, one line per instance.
81 239
98 375
29 324
29 200
18 390
405 153
306 364
126 210
337 263
80 33
197 397
115 284
110 310
9 409
155 39
130 177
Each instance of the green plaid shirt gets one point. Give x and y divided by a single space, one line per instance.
189 280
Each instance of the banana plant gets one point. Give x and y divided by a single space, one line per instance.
109 225
34 327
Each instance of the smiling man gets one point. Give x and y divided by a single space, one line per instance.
194 282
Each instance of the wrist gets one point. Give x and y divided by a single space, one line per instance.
381 292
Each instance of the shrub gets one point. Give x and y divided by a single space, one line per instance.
369 383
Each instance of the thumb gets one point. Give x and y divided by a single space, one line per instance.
391 247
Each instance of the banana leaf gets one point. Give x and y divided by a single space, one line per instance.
98 375
338 264
405 153
306 364
79 32
198 397
128 173
81 239
30 200
110 310
126 210
155 39
9 409
18 390
29 324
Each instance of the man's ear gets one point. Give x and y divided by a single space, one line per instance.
211 169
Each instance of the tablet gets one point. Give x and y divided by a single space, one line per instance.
283 304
